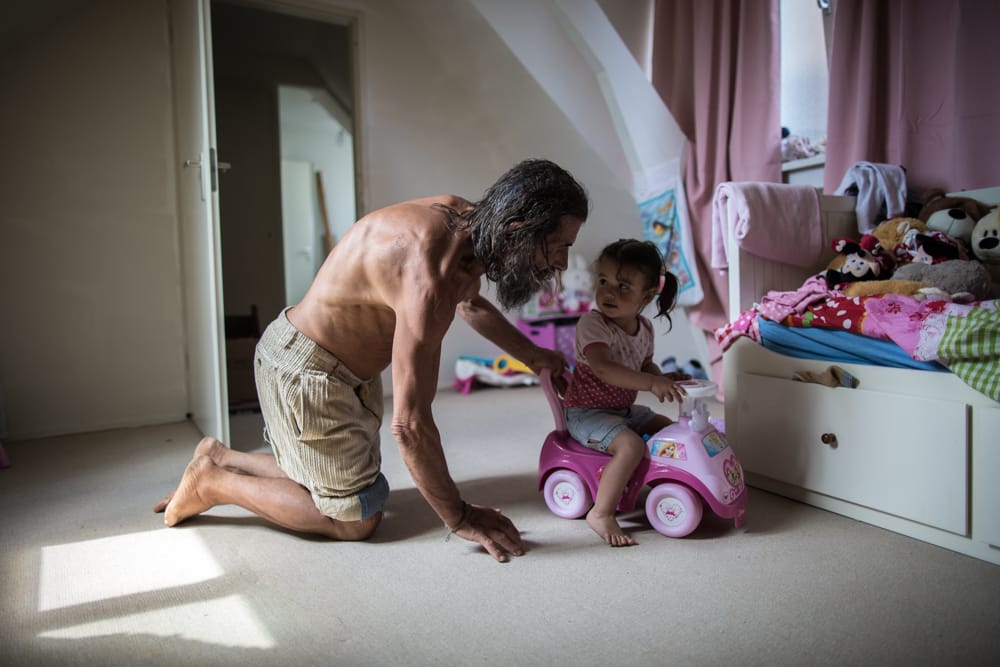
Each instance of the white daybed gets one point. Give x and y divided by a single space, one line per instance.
913 451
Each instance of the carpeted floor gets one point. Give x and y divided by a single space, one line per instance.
91 576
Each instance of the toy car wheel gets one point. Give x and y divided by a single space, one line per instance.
673 510
566 494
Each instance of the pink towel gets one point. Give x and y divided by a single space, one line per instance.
770 220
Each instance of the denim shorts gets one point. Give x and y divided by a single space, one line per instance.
373 498
596 428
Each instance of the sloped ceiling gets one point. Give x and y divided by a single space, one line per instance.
575 54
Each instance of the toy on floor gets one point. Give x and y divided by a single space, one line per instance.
689 464
692 368
506 364
504 371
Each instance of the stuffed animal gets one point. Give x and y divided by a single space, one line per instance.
985 239
896 235
961 280
853 263
986 245
933 247
909 240
954 216
890 286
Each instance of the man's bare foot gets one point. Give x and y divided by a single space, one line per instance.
162 503
207 446
607 527
210 447
185 501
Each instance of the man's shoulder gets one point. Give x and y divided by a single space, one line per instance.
417 213
448 201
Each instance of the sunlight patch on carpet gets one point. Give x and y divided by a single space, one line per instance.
110 567
227 621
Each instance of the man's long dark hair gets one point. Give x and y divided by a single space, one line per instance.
536 194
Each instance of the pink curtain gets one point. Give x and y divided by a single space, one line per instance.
716 65
915 83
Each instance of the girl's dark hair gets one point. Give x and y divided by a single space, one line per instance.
645 257
536 193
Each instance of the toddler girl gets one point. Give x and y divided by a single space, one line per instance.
614 361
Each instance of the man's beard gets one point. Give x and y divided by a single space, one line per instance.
519 283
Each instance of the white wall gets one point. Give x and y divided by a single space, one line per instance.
91 334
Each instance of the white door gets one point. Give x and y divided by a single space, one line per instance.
198 202
299 230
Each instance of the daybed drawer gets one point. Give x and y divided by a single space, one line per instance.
903 455
985 470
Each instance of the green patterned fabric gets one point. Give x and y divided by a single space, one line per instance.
970 347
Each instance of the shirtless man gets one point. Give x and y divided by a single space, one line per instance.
387 293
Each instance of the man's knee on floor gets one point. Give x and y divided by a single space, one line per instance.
357 531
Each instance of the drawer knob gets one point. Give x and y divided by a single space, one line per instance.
829 439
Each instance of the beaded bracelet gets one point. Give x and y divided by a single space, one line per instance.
466 510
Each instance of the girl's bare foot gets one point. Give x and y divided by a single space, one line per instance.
186 502
607 527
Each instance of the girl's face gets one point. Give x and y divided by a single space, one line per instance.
621 291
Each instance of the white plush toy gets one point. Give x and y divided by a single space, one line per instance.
986 245
986 238
577 286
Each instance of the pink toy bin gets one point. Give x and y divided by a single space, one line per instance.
689 465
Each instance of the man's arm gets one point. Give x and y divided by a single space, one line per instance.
421 322
490 323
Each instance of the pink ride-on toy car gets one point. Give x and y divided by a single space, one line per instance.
689 463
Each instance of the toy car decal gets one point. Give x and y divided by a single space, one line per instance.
670 511
714 442
668 449
564 494
734 474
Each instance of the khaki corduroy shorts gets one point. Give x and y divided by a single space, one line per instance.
322 422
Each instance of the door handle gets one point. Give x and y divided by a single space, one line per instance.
216 167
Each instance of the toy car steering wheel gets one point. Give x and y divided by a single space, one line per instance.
699 388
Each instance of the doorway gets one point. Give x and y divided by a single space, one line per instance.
285 121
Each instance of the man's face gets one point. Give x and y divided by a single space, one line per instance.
553 255
529 274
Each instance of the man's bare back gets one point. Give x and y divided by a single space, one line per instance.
395 257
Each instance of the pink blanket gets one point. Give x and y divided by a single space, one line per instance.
771 220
